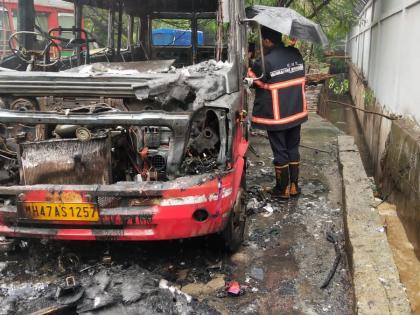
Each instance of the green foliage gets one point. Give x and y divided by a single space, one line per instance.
96 23
369 97
262 2
335 17
179 24
339 86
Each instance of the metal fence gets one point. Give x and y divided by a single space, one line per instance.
385 46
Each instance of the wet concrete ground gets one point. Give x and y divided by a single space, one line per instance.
281 266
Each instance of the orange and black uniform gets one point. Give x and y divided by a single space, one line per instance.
280 104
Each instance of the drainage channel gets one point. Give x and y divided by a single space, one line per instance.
400 232
345 119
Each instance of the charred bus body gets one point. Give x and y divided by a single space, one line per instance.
128 140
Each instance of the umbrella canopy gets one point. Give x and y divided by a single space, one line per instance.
288 22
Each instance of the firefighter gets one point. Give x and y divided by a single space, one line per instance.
280 108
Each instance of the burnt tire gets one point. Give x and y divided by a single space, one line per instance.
233 234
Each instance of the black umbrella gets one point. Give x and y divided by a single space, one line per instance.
288 22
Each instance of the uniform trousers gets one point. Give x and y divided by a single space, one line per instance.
285 145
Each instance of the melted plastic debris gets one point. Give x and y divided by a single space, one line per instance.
114 290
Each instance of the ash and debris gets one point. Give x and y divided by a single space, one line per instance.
280 268
103 290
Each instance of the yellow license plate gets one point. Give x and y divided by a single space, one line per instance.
60 211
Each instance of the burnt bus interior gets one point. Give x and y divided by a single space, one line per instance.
108 113
122 31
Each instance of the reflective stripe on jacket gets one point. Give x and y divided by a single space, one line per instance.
280 101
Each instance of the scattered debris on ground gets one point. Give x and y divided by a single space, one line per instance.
102 290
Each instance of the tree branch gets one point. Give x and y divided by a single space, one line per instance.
319 8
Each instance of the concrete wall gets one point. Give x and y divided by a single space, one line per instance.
375 128
394 145
385 47
385 66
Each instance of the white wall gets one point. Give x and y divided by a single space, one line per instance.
385 46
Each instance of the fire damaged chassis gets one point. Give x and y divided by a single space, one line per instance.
164 159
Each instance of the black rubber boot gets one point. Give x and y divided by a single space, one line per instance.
294 179
281 190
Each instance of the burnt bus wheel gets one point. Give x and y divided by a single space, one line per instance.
233 234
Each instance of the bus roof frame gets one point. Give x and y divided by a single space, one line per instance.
149 7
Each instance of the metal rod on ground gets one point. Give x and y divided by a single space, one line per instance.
390 117
252 149
315 149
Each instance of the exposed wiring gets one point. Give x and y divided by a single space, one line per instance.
332 239
7 158
6 151
6 148
132 133
9 153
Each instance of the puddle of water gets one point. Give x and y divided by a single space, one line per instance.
404 254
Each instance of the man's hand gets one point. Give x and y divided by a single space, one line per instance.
249 82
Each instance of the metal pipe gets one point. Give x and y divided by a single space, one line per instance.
26 21
130 32
111 19
194 40
262 54
183 15
149 118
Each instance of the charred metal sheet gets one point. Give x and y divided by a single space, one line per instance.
78 84
232 104
206 141
125 189
66 161
6 69
125 67
209 79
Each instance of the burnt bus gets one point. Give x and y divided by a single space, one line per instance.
127 138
